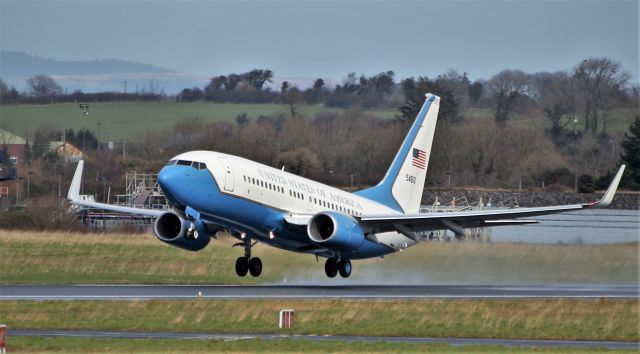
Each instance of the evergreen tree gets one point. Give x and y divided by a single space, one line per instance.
415 93
631 156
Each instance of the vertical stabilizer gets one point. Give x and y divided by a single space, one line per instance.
402 186
74 189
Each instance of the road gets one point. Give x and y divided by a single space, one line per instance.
140 292
239 336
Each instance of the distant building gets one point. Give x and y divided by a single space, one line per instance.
66 151
12 148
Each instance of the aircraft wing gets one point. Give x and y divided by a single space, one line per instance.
457 221
75 199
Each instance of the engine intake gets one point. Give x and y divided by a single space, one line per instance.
173 229
335 231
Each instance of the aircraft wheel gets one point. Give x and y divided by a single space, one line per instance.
242 266
331 267
255 266
345 268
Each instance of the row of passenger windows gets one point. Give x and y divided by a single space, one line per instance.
298 195
194 164
324 203
263 184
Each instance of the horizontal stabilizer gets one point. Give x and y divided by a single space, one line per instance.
74 198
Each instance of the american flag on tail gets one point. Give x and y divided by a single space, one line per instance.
419 158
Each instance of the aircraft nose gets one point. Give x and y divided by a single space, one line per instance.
169 179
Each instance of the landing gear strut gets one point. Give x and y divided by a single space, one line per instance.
333 266
247 263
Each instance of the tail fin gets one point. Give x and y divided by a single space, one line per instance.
402 186
74 189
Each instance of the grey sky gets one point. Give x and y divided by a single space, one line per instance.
328 38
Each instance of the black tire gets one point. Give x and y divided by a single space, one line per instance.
331 267
242 266
345 268
255 266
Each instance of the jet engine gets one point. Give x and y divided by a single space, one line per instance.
335 231
175 230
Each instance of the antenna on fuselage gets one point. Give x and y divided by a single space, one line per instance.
283 167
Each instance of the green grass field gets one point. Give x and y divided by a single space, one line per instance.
126 120
570 319
64 258
102 345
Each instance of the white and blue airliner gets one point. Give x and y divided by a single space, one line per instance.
211 192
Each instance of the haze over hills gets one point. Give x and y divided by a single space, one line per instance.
94 75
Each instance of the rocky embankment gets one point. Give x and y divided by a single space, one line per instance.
629 201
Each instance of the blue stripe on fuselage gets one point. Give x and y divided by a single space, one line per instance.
186 186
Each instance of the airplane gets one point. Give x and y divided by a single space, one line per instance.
211 191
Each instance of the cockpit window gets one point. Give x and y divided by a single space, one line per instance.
199 165
194 164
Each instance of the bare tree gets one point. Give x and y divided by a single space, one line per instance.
507 87
43 86
300 161
602 82
293 98
556 94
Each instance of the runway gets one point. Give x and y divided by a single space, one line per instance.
239 336
177 292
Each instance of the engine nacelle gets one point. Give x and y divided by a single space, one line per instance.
335 231
172 229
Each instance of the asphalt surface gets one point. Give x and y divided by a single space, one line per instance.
231 337
140 292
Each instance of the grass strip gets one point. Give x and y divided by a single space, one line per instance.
571 319
63 258
102 345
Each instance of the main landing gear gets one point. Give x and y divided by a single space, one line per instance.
247 263
333 266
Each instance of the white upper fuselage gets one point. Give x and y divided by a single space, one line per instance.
279 189
267 187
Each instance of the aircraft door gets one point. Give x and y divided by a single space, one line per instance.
228 175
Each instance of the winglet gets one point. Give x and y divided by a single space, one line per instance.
611 191
74 189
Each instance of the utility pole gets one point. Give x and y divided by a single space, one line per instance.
575 154
17 185
29 184
125 88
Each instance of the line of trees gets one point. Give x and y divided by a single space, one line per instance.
467 150
43 89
